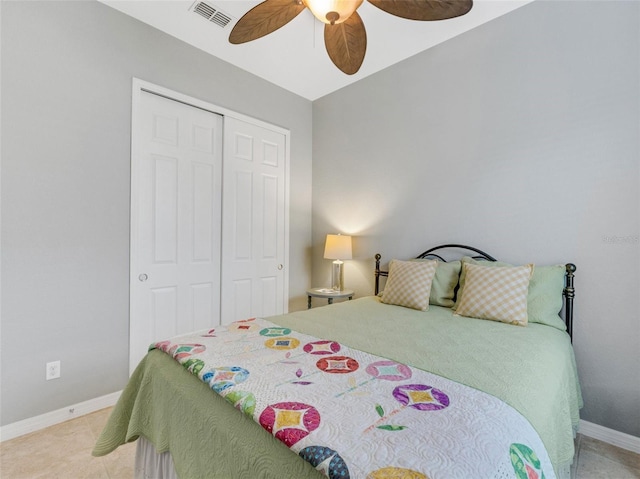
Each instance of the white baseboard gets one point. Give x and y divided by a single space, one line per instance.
610 436
20 428
26 426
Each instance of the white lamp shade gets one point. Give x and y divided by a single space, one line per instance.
332 11
337 247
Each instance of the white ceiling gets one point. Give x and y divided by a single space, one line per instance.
294 57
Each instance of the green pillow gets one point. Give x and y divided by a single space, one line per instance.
444 283
544 300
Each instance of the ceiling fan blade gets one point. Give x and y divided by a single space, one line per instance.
264 18
424 9
346 43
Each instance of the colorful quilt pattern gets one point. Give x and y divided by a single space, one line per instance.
351 414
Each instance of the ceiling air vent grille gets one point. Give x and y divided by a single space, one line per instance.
212 14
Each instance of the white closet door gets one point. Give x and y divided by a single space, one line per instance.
176 221
254 222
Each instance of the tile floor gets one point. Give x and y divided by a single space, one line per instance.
64 452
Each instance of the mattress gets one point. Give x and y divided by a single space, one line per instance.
532 369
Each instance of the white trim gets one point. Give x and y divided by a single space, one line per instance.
136 93
26 426
610 436
287 232
32 424
139 84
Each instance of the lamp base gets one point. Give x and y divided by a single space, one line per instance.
337 276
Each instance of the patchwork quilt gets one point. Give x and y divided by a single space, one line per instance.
352 414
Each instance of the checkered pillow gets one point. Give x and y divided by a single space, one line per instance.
409 283
496 293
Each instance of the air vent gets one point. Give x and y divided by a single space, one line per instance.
212 14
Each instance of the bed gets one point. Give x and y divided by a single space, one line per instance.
413 375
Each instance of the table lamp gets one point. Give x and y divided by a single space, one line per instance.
338 248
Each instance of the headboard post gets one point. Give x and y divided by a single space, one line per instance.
569 294
378 273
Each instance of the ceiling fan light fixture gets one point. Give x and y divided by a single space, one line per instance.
345 37
332 11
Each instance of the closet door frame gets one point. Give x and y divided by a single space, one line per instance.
138 86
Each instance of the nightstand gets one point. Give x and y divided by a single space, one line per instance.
328 293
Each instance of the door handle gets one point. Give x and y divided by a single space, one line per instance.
280 266
143 277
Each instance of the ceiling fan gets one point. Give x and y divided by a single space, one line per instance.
345 37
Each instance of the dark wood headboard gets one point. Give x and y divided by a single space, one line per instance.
568 292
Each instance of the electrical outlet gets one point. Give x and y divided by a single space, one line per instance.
53 370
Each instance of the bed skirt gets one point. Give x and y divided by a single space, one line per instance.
151 465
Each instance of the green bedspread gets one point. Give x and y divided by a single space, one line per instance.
532 369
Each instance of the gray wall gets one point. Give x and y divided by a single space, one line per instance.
519 137
66 109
